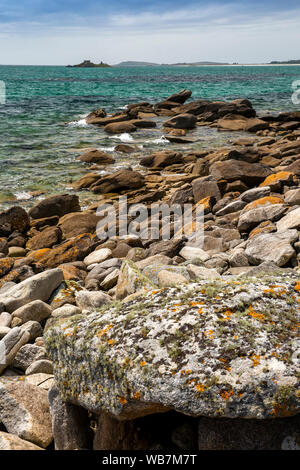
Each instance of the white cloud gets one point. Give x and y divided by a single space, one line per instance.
226 33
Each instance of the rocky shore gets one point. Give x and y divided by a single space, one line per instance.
145 343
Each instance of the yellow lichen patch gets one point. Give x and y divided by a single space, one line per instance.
281 411
257 316
185 372
137 396
222 359
264 227
255 360
122 400
39 254
267 200
280 177
5 265
209 333
104 331
227 394
226 315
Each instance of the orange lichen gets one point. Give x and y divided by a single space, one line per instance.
185 372
253 314
104 331
143 363
200 387
280 177
122 400
227 394
262 202
209 333
137 396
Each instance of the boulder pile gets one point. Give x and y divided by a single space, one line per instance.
159 342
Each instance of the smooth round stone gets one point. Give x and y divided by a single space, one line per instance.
3 331
16 252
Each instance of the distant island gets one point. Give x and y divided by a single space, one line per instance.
133 63
88 64
296 61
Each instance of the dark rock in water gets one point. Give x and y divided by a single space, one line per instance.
161 159
14 219
180 97
124 148
182 121
123 179
55 205
120 127
96 156
98 113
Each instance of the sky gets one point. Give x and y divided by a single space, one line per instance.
61 32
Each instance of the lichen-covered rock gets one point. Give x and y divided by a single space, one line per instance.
131 280
226 348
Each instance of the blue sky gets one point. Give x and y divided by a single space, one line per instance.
67 31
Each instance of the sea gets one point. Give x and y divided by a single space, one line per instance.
43 128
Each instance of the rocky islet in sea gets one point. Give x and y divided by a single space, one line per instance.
157 344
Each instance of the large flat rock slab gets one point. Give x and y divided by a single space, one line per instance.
224 348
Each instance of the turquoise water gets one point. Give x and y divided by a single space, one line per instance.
38 148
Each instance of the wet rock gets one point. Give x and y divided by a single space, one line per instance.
181 121
55 205
120 127
96 156
123 179
14 219
161 159
180 97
